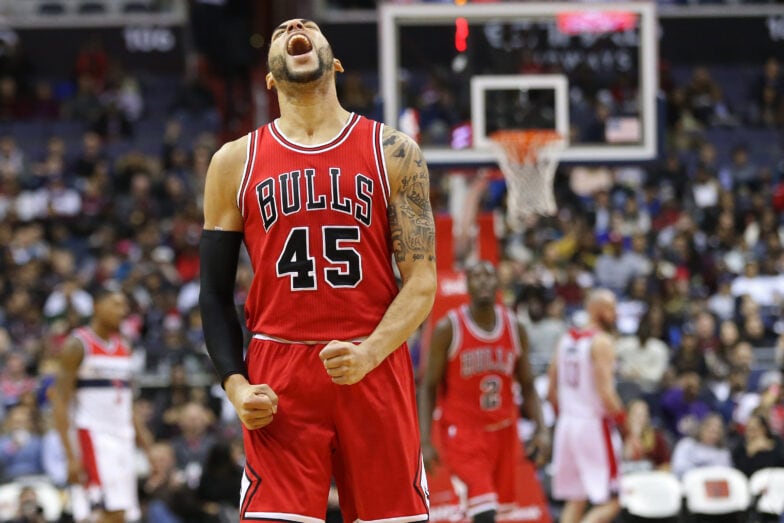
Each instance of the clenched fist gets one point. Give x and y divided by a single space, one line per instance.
255 404
346 363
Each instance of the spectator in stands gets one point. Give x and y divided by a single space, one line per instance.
729 336
705 330
44 104
760 289
688 357
682 406
140 205
640 254
771 108
91 155
15 380
755 332
759 449
12 159
13 104
643 358
169 401
767 103
739 401
614 267
64 202
20 445
644 446
722 302
544 323
572 289
670 176
193 445
718 356
773 401
705 191
220 486
633 305
161 489
740 172
92 62
85 106
704 98
706 448
129 97
112 123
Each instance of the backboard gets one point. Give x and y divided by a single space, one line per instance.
439 60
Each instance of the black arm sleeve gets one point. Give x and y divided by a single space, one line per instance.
219 253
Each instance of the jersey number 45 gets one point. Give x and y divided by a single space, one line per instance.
341 263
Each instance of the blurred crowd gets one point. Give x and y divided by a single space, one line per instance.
692 245
371 4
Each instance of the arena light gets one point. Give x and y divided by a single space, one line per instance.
581 22
461 35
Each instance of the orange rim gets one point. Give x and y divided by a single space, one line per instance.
522 145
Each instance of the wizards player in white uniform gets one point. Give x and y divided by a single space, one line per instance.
582 388
93 404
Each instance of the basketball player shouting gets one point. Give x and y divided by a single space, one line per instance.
323 200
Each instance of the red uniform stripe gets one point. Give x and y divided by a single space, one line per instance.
610 450
95 345
378 151
317 148
88 457
246 175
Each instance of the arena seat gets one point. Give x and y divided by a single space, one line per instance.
716 494
767 488
51 8
49 498
651 496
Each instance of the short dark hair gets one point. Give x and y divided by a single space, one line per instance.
105 290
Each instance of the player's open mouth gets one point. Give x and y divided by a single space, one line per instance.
298 44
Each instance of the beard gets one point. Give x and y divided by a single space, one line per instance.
607 324
280 69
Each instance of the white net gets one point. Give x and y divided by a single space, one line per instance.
528 160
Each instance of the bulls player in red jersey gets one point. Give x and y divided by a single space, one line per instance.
478 351
582 389
93 396
326 202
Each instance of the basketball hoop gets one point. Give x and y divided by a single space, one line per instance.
528 158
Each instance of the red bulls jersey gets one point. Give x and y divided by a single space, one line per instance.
104 400
316 230
480 371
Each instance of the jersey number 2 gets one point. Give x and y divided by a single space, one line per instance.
490 387
344 262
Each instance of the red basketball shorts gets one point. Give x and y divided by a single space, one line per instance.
364 435
486 462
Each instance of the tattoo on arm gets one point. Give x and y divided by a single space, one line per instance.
410 214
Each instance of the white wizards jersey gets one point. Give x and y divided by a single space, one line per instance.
104 400
577 393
